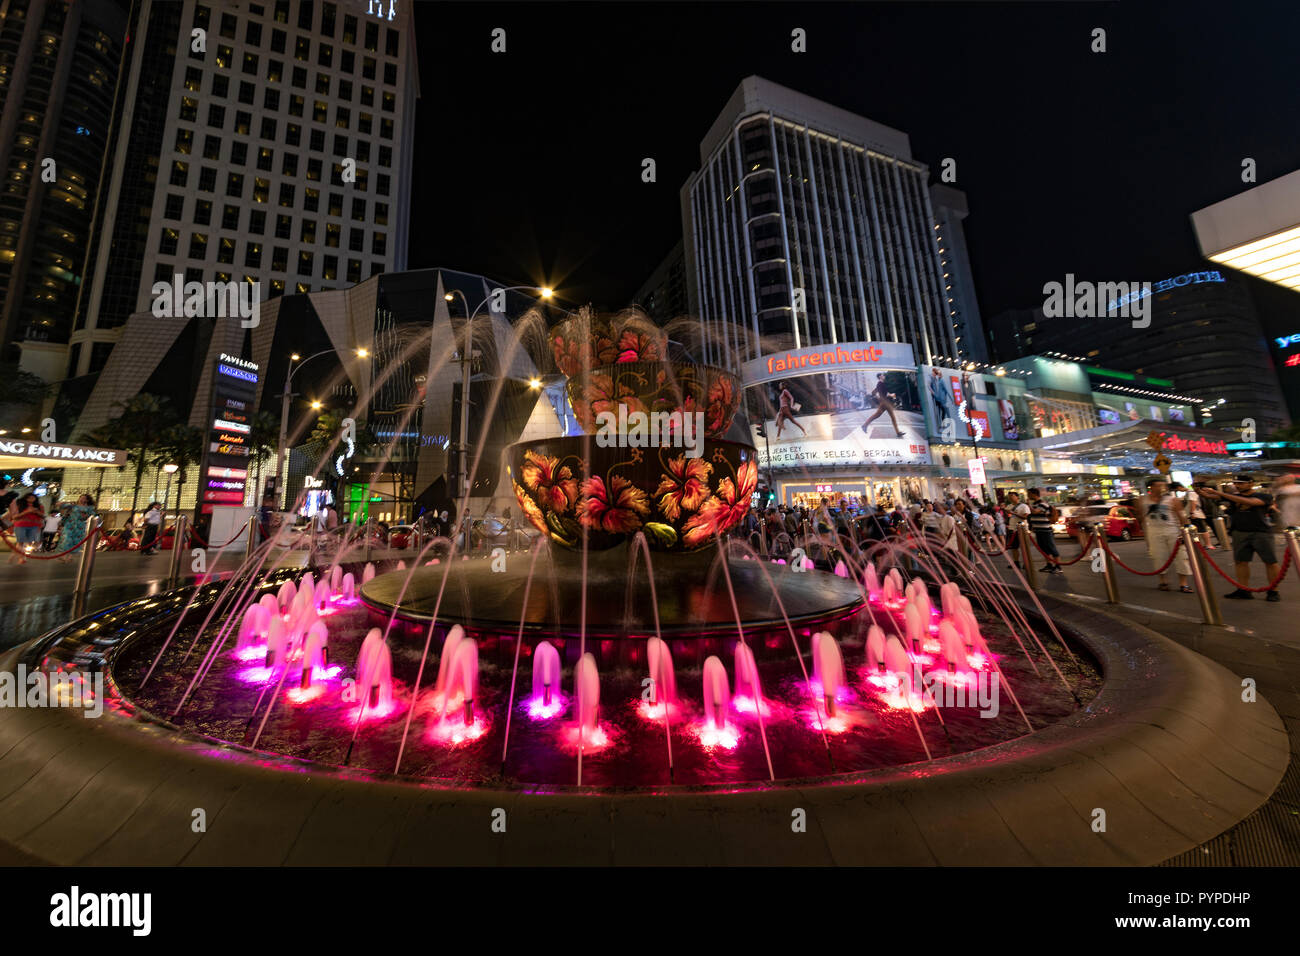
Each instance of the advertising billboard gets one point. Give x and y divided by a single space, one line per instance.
850 416
961 405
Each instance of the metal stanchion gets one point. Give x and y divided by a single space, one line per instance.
1221 531
1026 556
178 550
1201 576
365 533
311 544
417 540
85 568
1292 536
1110 571
250 548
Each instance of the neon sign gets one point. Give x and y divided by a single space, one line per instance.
1286 340
1203 445
1292 360
1164 285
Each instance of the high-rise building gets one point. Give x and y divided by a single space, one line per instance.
277 152
1204 335
59 66
663 295
809 225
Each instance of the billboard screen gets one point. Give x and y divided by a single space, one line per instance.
962 405
224 473
850 416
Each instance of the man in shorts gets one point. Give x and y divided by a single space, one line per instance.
1017 524
1251 531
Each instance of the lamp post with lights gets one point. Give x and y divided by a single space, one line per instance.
465 357
296 363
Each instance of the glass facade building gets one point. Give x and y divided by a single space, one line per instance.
279 153
808 225
59 66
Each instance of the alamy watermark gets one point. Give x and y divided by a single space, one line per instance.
1089 300
83 690
637 429
215 300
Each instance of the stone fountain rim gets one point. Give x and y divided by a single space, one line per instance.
1162 743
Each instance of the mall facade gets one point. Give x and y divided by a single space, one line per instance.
863 421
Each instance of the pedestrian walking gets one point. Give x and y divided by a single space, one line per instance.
152 525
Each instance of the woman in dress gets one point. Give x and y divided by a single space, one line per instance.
75 521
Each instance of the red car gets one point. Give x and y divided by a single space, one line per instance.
1117 521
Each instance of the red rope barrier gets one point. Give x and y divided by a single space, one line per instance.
199 538
17 549
1271 586
1146 574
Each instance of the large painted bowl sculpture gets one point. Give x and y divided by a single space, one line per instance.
656 387
588 341
568 486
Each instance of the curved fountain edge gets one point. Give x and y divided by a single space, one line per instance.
1168 750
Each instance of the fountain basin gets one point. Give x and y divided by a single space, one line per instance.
1167 748
689 591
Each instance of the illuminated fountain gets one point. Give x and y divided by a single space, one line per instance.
633 596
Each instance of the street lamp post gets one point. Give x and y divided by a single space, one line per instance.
466 357
171 470
280 449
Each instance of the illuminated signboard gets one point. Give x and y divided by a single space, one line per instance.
1164 285
1203 446
1286 341
225 466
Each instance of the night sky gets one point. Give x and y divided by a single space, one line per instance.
528 163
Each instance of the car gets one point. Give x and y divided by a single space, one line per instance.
1116 521
401 536
1060 527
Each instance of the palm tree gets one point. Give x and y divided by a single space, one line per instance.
180 445
105 436
138 426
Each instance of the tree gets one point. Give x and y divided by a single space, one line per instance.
263 440
180 445
137 428
19 386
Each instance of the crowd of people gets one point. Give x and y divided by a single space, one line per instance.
1255 516
27 526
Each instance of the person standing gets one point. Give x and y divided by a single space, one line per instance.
51 530
152 525
1017 524
1251 531
75 521
1041 517
1194 509
1164 518
28 519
